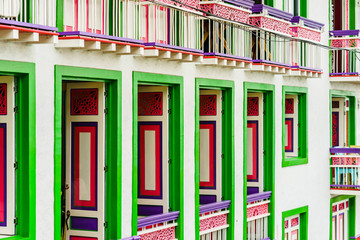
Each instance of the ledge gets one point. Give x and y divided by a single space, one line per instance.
259 8
307 22
241 3
260 61
258 196
159 218
28 25
162 45
214 206
227 56
344 74
342 33
345 186
345 150
95 35
306 69
132 238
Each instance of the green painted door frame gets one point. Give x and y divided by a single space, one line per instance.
228 164
176 144
112 147
25 151
269 149
352 213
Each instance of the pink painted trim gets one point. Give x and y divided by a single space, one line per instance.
213 222
257 210
254 127
211 182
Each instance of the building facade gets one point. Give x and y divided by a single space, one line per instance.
175 119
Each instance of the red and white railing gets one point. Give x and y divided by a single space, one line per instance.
344 170
157 227
43 11
257 215
344 62
213 220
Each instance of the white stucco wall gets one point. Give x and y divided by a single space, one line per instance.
294 186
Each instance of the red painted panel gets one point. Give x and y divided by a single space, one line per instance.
93 158
253 125
289 106
84 101
212 157
3 99
150 104
253 106
208 105
289 144
157 129
2 176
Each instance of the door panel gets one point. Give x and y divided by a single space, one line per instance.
85 161
339 127
210 146
153 172
7 156
255 143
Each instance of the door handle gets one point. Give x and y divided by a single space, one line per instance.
67 219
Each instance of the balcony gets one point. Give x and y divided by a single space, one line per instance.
157 227
344 65
305 60
257 215
213 220
17 25
344 171
270 49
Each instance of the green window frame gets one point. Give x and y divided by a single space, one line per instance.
302 11
176 144
352 213
352 114
302 157
228 169
304 216
25 123
269 147
112 148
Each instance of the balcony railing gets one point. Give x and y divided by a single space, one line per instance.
344 65
213 220
257 216
158 227
344 170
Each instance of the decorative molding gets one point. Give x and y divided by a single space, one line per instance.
257 210
270 23
213 222
227 12
345 42
306 33
307 22
214 206
258 196
342 33
262 8
159 218
162 234
345 150
346 161
241 3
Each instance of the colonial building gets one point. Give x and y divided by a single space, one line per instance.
179 119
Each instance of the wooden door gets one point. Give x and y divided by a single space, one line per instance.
153 157
291 125
7 156
85 161
255 118
210 146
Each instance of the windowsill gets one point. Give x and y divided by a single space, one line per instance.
16 237
294 161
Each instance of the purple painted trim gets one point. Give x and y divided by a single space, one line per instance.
155 44
252 190
160 218
161 162
227 56
259 8
28 25
341 33
257 150
132 238
292 134
4 223
307 68
84 223
107 37
271 62
149 210
358 236
214 206
346 73
345 150
268 238
241 3
206 199
259 196
73 126
338 185
214 147
308 22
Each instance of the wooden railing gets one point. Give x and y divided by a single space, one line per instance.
344 170
257 216
213 220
